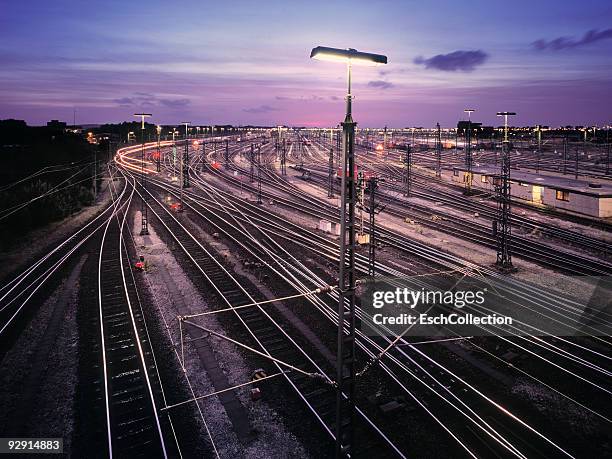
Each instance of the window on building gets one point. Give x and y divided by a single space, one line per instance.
483 179
562 195
455 172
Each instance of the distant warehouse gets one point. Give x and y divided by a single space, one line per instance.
592 198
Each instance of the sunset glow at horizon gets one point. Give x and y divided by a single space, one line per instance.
248 62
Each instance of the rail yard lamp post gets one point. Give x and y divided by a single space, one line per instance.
144 228
608 150
346 306
438 151
174 133
539 139
185 158
184 165
158 162
504 211
468 152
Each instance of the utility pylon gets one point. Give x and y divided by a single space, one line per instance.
203 156
330 192
226 153
539 138
259 200
494 147
576 164
608 150
373 209
468 152
438 152
158 159
185 159
284 159
565 148
503 227
252 177
345 362
407 177
385 153
301 150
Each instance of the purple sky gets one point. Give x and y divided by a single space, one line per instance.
247 62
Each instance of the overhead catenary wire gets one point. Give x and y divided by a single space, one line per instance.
317 376
227 389
316 291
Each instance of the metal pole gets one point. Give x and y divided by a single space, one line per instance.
608 150
144 223
565 148
361 194
284 158
203 155
539 149
259 201
373 184
468 153
576 166
144 229
226 153
158 163
438 153
330 193
95 174
252 177
407 171
345 363
185 161
504 211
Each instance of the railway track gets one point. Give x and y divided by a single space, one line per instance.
132 422
20 295
312 384
438 383
542 254
397 358
479 234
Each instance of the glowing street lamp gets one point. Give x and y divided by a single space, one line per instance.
143 208
159 130
468 151
185 162
505 115
346 342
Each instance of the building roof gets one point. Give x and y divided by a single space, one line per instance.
602 188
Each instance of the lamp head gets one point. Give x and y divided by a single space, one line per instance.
324 53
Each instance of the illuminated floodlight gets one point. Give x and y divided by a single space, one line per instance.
324 53
506 115
142 117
